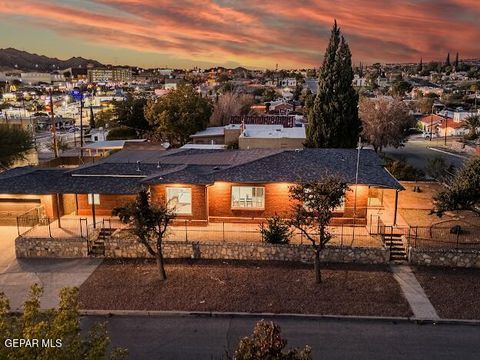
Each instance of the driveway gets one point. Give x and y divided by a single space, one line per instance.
18 275
7 246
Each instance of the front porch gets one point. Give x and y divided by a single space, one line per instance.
74 226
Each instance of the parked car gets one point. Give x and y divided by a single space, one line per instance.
429 135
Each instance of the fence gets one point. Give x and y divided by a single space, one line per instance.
243 232
67 228
443 237
28 220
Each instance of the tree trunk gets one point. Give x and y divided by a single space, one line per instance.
316 267
161 265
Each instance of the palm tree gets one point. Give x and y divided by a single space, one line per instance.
472 123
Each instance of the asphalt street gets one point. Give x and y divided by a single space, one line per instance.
417 153
191 337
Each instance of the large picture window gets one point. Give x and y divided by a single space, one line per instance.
248 197
180 199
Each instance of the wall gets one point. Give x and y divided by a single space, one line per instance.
199 214
50 248
270 143
277 201
209 139
123 244
444 257
107 203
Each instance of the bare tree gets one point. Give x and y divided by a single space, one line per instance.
149 222
314 205
229 104
385 122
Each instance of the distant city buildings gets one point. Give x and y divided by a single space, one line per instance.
109 75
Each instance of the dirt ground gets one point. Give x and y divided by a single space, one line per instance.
453 292
244 287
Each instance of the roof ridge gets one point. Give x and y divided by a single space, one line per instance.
166 172
274 153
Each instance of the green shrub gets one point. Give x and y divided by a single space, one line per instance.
276 231
122 133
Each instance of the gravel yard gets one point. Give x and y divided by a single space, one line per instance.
454 292
244 287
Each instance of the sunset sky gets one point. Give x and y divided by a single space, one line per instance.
252 33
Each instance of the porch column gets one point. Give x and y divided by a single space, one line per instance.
57 200
93 211
396 209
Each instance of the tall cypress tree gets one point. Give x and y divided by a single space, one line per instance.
333 120
456 62
447 62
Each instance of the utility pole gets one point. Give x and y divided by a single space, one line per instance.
446 129
81 125
54 127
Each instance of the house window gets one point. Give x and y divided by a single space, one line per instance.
245 197
180 199
93 199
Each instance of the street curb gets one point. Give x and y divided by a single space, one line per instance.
217 314
447 152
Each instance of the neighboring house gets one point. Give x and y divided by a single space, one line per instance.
271 137
281 107
452 128
430 123
359 81
244 186
252 136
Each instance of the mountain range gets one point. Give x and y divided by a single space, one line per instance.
13 59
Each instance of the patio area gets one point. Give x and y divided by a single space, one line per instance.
80 226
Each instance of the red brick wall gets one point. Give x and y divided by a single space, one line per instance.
107 203
199 200
277 201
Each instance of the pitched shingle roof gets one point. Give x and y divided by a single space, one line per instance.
120 173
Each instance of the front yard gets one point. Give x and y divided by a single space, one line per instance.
244 287
454 292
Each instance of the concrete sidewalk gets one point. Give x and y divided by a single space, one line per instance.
421 306
52 274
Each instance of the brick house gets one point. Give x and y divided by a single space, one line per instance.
205 185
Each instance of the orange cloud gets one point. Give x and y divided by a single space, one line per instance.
262 33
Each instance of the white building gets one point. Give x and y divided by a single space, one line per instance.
288 82
33 78
359 81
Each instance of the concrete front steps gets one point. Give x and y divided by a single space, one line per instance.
398 252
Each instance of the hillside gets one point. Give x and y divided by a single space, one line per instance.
13 59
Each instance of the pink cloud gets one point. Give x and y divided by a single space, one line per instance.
264 32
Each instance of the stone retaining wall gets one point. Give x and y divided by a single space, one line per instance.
124 245
50 247
444 257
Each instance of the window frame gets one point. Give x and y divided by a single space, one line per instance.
93 199
167 188
256 208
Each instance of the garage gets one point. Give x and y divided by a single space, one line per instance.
12 206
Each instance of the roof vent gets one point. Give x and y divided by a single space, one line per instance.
158 164
138 165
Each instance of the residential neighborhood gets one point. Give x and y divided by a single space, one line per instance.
215 188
